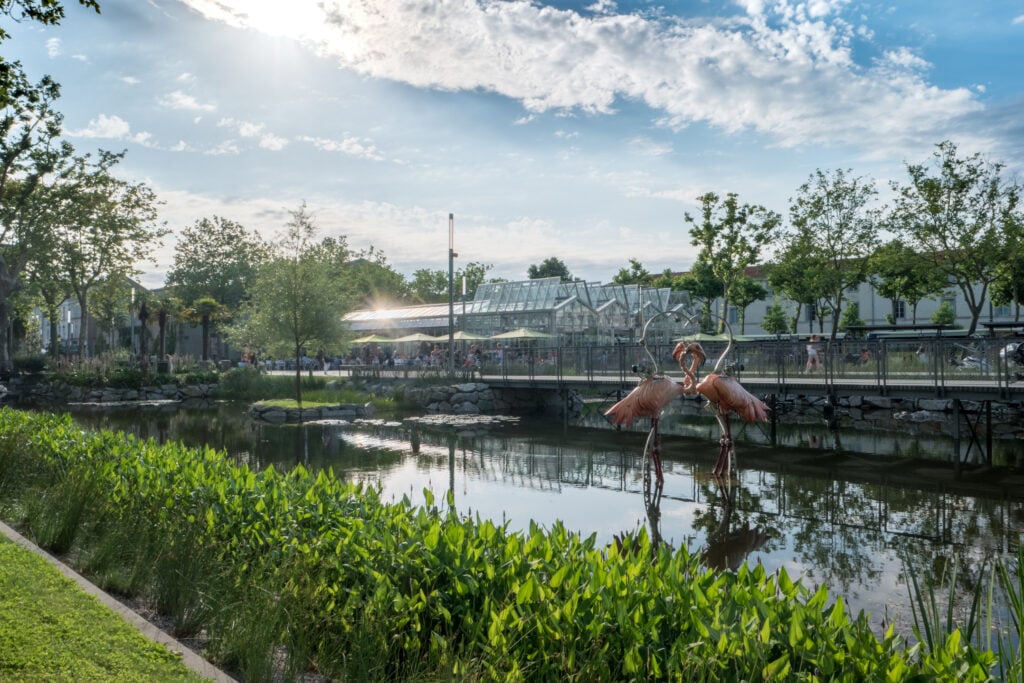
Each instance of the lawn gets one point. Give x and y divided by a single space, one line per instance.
51 630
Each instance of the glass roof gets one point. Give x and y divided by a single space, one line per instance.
540 295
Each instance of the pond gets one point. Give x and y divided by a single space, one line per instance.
853 523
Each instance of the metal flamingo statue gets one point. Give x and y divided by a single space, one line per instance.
723 393
648 399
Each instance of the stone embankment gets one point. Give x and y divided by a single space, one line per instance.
477 398
59 393
339 413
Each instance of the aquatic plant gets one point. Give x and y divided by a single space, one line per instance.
293 572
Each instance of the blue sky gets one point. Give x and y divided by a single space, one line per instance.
579 130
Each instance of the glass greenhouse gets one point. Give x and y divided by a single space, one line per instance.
577 313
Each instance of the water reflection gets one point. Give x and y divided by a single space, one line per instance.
839 520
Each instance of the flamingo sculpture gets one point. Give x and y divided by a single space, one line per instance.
648 399
723 393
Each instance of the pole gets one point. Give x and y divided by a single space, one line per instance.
131 324
451 293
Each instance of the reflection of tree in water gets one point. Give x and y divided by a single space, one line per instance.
835 527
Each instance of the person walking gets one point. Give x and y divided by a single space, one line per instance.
813 361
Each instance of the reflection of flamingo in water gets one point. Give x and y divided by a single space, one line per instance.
648 399
727 548
724 394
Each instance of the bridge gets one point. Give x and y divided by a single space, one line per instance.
953 369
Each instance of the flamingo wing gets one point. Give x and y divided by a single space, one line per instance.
648 399
730 395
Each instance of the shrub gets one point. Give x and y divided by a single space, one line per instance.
31 364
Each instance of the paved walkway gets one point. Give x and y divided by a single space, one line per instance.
188 656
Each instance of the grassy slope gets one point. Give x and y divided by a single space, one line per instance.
50 630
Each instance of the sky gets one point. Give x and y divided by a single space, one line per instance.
581 130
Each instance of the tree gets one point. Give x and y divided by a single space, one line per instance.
851 316
104 225
944 315
431 286
550 267
46 12
635 275
31 159
746 291
297 299
900 273
834 215
775 320
730 237
205 311
371 282
802 276
216 258
960 214
704 287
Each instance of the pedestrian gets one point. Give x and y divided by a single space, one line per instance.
813 361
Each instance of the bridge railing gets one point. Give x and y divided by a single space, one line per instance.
928 362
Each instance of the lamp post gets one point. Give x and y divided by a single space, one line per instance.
131 324
451 293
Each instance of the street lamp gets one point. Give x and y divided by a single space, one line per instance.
451 293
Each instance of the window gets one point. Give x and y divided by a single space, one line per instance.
734 315
901 309
1002 311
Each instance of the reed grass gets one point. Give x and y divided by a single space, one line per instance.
301 572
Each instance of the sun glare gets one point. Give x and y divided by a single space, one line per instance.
297 19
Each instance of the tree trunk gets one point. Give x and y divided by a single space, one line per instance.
298 380
206 337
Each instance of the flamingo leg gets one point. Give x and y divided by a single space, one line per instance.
726 452
656 450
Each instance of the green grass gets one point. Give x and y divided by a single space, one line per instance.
292 403
50 630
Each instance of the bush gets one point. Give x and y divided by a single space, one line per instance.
32 364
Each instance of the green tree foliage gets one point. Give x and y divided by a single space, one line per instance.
32 159
746 291
775 321
835 220
46 12
704 287
431 286
960 214
298 299
216 258
730 237
900 273
850 316
371 282
944 315
636 274
205 312
799 273
104 226
550 267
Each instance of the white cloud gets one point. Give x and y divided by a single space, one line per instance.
53 48
353 146
111 128
185 78
228 147
783 68
130 80
180 100
273 142
1018 20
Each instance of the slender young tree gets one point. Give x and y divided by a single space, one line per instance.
960 213
836 220
298 299
730 237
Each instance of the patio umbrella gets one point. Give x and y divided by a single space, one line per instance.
467 336
524 333
371 338
418 337
703 337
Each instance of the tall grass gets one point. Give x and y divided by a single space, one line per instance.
992 620
297 572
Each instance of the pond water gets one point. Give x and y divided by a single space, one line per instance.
853 523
